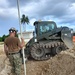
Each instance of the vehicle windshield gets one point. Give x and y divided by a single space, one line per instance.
46 27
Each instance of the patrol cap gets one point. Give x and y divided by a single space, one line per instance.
13 29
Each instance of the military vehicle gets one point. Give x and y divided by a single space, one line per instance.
48 40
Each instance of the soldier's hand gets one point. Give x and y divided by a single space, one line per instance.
22 39
23 43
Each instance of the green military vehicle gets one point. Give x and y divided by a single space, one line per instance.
48 40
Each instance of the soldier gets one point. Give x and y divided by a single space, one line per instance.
12 46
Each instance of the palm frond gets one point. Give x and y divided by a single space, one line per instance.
24 19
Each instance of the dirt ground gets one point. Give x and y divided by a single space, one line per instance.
61 64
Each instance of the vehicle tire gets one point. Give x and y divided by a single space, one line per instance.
37 52
57 49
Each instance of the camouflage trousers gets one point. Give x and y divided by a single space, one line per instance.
16 63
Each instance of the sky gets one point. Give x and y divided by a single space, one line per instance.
60 11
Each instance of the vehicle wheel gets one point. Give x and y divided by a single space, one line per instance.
57 50
37 52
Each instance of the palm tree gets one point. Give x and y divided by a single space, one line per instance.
24 20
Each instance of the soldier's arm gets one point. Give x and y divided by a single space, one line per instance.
22 43
6 49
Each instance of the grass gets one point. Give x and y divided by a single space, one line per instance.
1 48
1 43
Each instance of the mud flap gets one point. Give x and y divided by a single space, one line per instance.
67 38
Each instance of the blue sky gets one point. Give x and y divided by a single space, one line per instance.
60 11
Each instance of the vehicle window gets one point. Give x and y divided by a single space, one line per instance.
46 28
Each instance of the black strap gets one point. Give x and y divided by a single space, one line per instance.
13 53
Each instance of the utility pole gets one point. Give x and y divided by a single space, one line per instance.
21 36
19 17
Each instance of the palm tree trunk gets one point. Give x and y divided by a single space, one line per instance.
24 27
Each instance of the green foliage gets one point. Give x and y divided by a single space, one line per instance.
24 19
16 35
3 38
0 39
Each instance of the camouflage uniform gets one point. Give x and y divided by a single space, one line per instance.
13 46
16 62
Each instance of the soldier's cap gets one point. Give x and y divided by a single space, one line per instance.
13 29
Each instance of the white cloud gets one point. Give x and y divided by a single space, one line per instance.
4 3
32 21
71 11
60 11
8 12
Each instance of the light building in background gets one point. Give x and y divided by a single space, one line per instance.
26 35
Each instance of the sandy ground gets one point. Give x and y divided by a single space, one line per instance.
61 64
